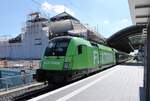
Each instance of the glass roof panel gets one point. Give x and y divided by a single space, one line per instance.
137 39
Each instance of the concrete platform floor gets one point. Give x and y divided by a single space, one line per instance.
120 83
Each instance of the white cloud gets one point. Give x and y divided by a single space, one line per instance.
56 8
106 22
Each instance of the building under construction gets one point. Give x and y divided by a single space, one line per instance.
31 43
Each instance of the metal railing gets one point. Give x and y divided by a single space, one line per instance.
12 82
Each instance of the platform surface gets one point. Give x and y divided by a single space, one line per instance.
120 83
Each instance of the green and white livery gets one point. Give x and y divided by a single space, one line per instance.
67 58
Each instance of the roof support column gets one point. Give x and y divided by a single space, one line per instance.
147 66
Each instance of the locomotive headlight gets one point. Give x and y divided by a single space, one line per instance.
66 65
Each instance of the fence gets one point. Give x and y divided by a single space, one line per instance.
12 82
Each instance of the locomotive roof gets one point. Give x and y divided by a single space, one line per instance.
82 41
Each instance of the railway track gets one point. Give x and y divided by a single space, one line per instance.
35 93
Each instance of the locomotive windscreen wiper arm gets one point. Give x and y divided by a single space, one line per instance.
56 51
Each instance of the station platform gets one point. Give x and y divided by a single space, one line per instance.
9 94
119 83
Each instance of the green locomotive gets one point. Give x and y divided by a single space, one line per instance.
67 58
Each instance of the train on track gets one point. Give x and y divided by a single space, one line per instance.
68 58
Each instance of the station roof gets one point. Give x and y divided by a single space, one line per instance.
127 39
139 11
133 37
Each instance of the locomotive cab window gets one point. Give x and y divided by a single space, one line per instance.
80 49
57 47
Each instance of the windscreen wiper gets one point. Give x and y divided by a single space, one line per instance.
56 51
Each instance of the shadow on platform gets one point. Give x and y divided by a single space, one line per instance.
132 64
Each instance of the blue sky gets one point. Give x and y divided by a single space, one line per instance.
110 16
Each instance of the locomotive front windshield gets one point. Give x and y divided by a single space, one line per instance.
57 47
